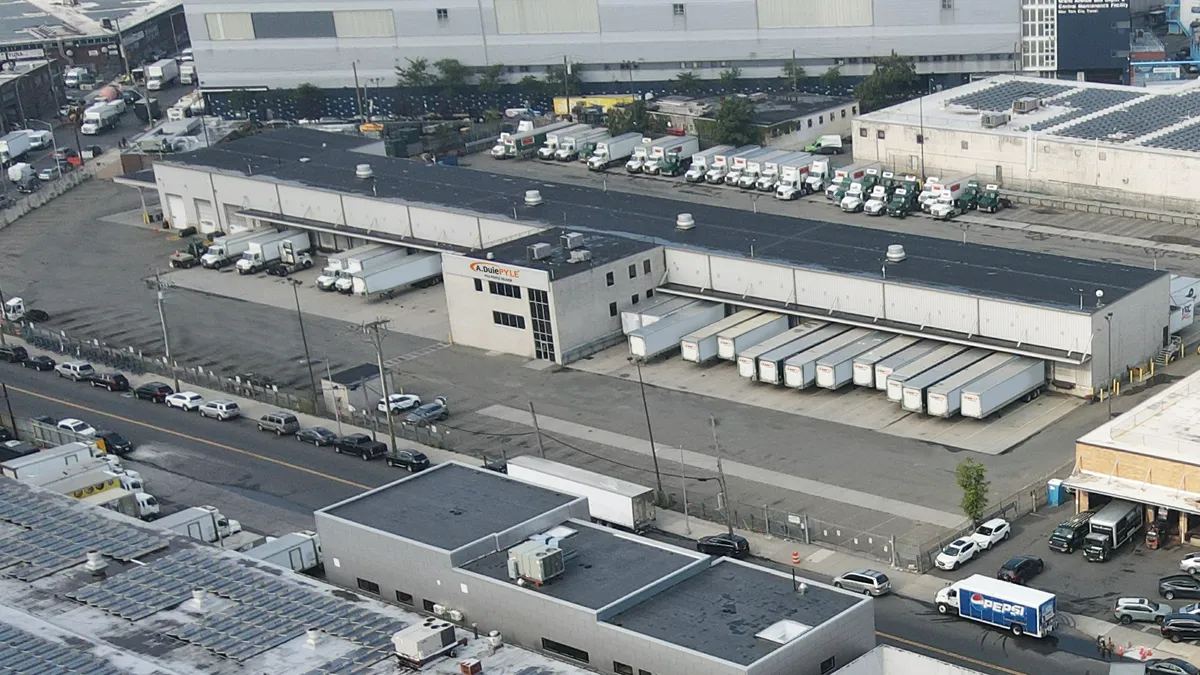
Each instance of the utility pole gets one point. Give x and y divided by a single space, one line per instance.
567 84
721 478
537 430
337 407
375 331
1108 319
160 294
687 523
3 328
357 91
12 419
795 78
650 431
312 378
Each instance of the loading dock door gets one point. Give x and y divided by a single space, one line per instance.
234 222
176 212
206 214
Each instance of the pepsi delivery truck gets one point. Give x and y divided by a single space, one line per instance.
1022 610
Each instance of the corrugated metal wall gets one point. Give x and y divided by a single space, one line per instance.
814 13
516 17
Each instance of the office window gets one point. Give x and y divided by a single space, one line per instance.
368 586
964 145
843 114
404 598
608 279
428 605
947 4
443 14
564 650
510 320
677 9
543 332
879 134
827 664
507 290
862 131
649 293
633 299
622 669
633 271
821 119
646 266
479 285
644 672
612 309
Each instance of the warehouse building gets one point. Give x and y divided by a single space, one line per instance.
588 254
790 121
1127 146
483 548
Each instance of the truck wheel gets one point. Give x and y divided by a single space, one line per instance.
943 608
1018 630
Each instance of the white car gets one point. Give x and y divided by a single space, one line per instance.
991 533
185 400
76 426
958 552
1191 608
400 403
1190 563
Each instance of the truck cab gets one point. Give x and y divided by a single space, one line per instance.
901 203
877 201
1097 548
695 173
854 199
990 200
716 175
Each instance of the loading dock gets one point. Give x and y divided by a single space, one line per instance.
913 394
701 345
800 371
837 369
864 364
770 365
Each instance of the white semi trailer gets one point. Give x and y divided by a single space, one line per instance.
298 551
800 371
912 397
736 339
665 334
419 269
666 305
701 345
771 364
1021 380
899 376
944 399
864 364
610 500
837 368
747 360
200 522
366 264
885 367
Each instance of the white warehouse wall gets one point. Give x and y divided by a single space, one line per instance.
579 304
1138 322
470 311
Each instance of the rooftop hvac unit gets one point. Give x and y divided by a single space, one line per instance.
1026 104
539 251
572 240
580 255
421 642
535 562
993 120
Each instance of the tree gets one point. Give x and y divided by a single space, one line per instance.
415 75
633 117
831 77
491 78
893 80
559 81
309 101
972 478
729 78
532 86
732 124
492 115
686 81
793 74
452 74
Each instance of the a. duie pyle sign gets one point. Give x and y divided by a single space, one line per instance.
508 274
511 275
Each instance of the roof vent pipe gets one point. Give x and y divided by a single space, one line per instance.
363 171
95 563
684 221
895 253
533 198
311 638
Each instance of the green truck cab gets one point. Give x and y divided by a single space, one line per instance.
991 201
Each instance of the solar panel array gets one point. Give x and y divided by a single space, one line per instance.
60 536
1139 119
1187 138
268 611
1086 102
1000 97
28 654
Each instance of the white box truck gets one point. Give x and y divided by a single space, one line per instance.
800 370
736 339
740 162
886 366
366 263
671 158
1019 609
864 364
664 335
901 375
187 72
664 305
261 253
912 397
572 144
944 399
747 360
610 500
141 505
337 262
419 269
1021 380
554 138
13 146
723 163
701 345
613 151
702 162
200 522
771 364
836 369
56 460
161 74
773 171
101 117
757 166
228 249
641 153
298 551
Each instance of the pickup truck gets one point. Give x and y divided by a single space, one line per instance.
361 445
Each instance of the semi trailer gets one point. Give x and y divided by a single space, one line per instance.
912 396
944 399
1021 380
632 320
747 360
836 369
771 364
901 375
864 364
337 262
610 500
298 551
800 370
366 263
613 151
885 366
419 269
701 345
702 162
736 339
665 334
261 253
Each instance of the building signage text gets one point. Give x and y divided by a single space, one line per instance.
496 271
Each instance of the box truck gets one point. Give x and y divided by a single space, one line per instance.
298 551
261 253
836 369
187 72
613 151
736 339
738 166
864 364
13 146
56 460
663 305
101 117
366 263
1020 609
641 153
800 370
525 142
610 500
912 396
1114 524
944 399
671 158
771 364
1021 380
723 163
229 248
701 345
664 335
899 376
747 360
702 162
554 138
140 505
885 366
161 74
572 145
419 269
337 262
200 522
757 166
794 164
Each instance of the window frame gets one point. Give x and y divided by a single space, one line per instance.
400 598
609 279
367 586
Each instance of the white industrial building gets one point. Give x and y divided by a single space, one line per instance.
544 270
1126 146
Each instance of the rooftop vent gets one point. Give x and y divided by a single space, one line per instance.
580 255
895 253
533 198
1026 104
783 632
305 160
684 221
572 240
95 563
198 595
311 638
992 120
363 171
535 563
539 251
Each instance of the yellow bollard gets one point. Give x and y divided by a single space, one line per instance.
1117 388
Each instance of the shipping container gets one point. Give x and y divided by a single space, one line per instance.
912 395
743 336
837 369
610 500
701 345
748 359
944 399
770 364
864 364
664 335
800 370
1023 379
895 381
886 366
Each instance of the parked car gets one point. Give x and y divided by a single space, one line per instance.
76 426
6 435
399 403
184 400
429 413
111 381
991 533
113 443
19 448
280 422
1179 586
957 553
361 445
50 173
1190 563
1020 569
155 392
76 370
1180 627
1190 608
40 363
407 458
732 545
13 354
1128 610
867 582
220 409
318 436
64 154
1170 667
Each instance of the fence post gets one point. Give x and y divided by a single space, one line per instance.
895 556
807 536
766 520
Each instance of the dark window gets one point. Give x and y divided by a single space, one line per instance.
633 299
649 293
479 285
920 139
964 145
622 669
644 672
843 114
612 309
543 332
947 4
564 650
428 605
404 598
646 266
608 279
821 119
677 9
879 134
510 320
853 110
443 14
809 120
633 271
827 665
507 290
293 25
368 586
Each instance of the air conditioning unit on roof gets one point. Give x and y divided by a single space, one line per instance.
991 120
1026 104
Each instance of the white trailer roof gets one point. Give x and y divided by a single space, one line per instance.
280 545
790 335
968 375
743 327
731 321
1001 374
946 368
571 473
1030 597
47 455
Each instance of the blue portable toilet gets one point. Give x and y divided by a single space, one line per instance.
1056 494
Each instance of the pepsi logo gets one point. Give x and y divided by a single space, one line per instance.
1002 607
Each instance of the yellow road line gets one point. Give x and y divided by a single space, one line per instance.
949 654
189 437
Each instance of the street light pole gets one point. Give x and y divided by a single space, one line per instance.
160 287
1108 320
312 378
650 431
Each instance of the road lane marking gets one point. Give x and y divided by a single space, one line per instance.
946 653
189 437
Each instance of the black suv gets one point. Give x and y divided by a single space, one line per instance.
1020 569
412 460
731 545
1179 627
110 381
13 354
1070 533
156 392
113 443
361 445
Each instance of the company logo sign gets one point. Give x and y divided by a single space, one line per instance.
494 270
995 606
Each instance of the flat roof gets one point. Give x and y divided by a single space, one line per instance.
720 611
889 660
1163 426
449 505
602 566
944 264
604 249
26 21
